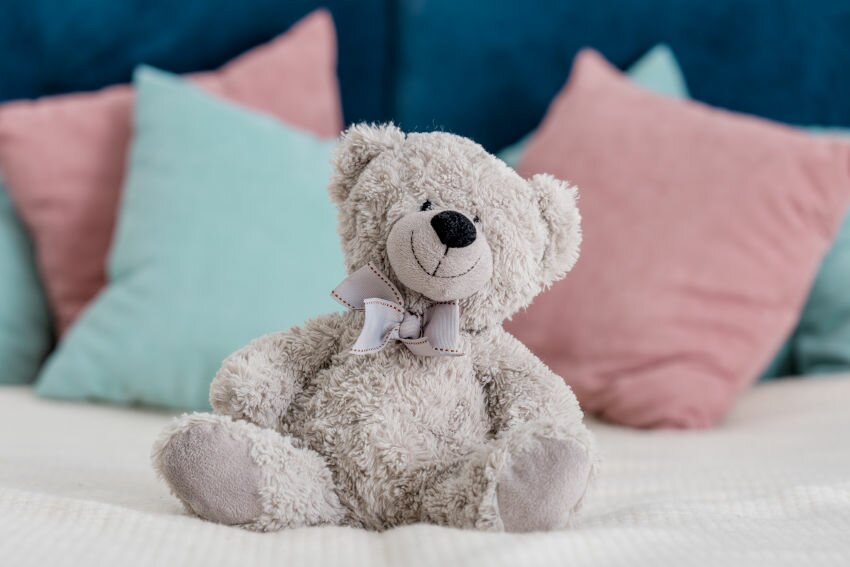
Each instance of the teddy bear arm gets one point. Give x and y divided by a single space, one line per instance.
548 456
258 382
521 389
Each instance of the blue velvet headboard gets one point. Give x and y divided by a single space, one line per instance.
486 69
489 69
56 46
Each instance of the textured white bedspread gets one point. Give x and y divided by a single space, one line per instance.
770 487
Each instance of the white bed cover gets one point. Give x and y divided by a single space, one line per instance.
770 487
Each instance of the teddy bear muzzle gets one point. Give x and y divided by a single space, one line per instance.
440 254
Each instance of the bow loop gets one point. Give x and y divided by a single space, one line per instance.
386 319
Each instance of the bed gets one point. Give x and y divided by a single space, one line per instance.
771 486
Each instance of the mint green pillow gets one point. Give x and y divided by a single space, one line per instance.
225 233
25 330
657 71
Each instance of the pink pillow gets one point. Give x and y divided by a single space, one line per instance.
703 230
62 158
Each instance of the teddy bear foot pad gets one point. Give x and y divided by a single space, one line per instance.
236 473
540 487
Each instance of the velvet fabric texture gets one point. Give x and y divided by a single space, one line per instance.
490 72
63 158
703 233
408 59
50 47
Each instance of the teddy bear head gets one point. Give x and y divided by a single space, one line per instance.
445 221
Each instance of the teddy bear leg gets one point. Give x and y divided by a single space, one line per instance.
530 479
463 494
236 473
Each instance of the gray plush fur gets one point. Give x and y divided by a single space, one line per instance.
306 433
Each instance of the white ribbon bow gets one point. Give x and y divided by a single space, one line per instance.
434 334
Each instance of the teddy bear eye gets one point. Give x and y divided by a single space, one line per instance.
426 206
476 219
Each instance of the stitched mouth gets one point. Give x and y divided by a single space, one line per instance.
433 274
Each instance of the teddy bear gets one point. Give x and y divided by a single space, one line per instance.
411 404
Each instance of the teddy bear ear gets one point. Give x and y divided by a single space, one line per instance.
558 207
357 146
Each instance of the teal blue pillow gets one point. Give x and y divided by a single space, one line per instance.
25 330
657 71
488 70
225 233
821 343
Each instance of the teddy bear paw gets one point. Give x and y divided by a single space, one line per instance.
542 484
211 471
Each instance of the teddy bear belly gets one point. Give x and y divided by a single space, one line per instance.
386 430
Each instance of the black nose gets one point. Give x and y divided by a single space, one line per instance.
454 229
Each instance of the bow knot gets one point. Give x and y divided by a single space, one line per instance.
434 333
